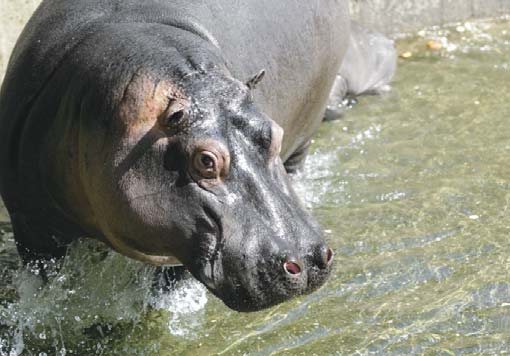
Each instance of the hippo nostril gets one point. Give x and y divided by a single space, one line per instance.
292 268
329 257
324 257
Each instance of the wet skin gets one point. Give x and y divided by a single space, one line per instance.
139 124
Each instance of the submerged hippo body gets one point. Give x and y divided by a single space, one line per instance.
138 123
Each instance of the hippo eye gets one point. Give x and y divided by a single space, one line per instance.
209 163
206 164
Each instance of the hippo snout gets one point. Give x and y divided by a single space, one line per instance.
261 277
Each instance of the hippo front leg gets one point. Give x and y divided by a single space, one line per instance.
37 248
368 68
296 161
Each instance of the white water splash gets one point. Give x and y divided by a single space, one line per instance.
94 289
186 303
58 312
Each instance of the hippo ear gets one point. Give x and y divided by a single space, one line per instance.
252 83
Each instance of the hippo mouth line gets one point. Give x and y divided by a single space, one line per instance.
215 221
212 242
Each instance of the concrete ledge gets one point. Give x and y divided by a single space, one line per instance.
13 16
391 16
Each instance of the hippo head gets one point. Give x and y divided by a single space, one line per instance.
191 173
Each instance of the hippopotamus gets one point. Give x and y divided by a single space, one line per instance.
167 130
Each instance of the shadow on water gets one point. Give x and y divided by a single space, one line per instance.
412 189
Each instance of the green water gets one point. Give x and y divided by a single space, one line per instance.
413 190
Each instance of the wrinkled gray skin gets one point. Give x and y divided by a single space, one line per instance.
130 121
